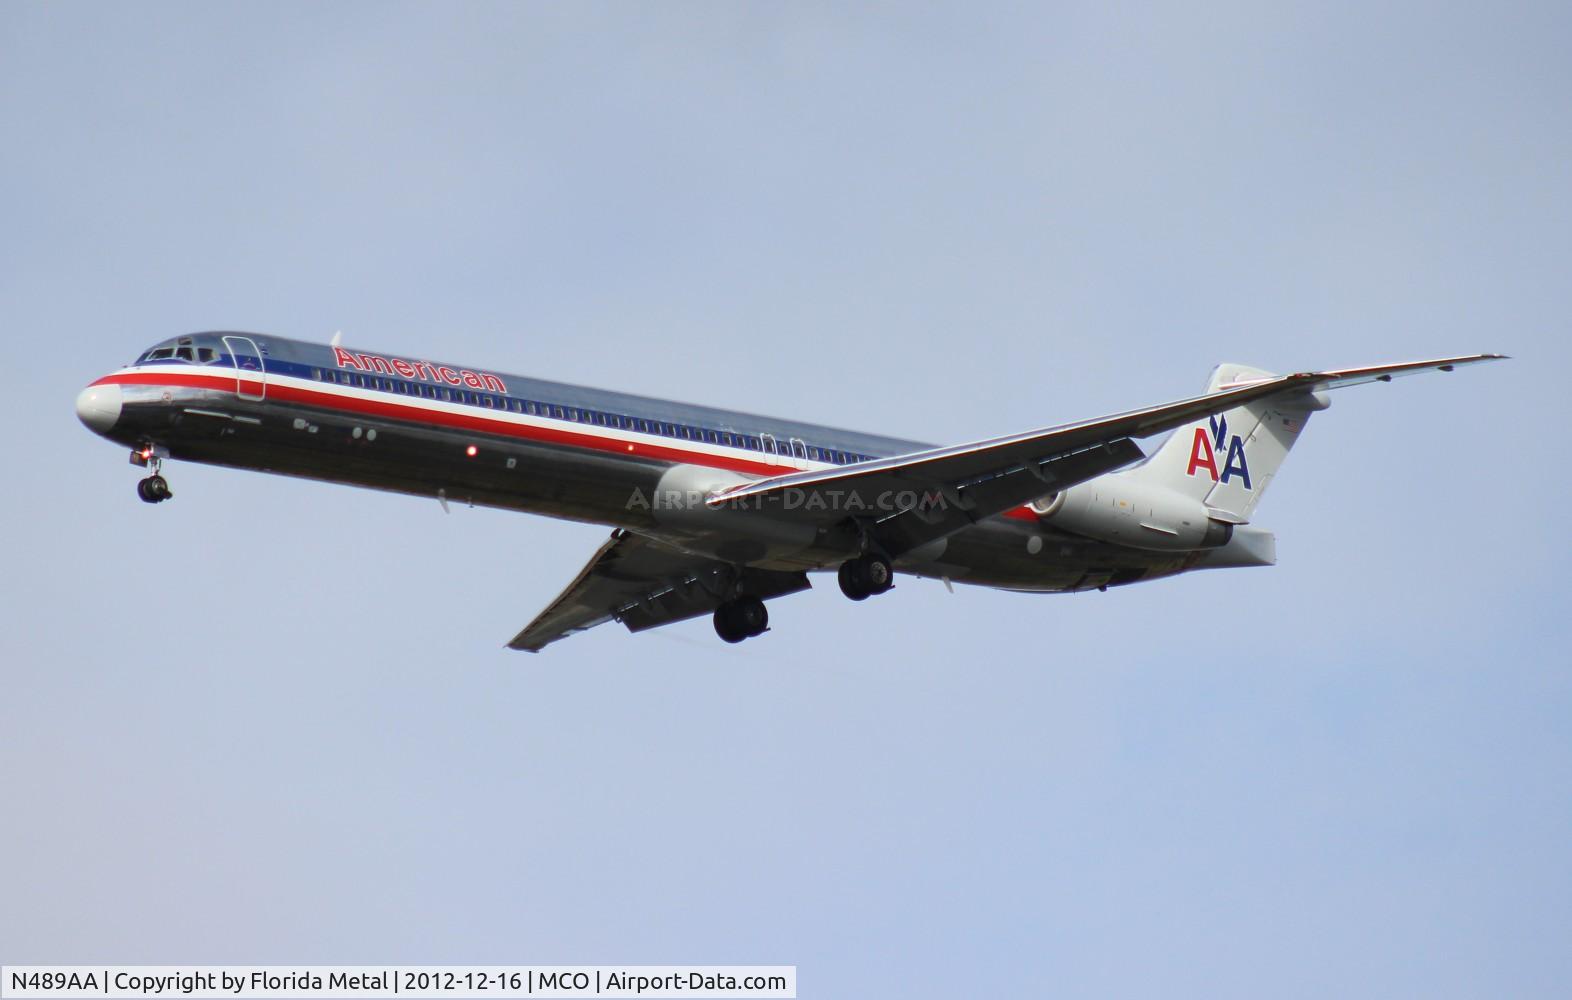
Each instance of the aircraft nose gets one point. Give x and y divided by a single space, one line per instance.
98 407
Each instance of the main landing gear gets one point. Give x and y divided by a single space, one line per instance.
741 618
745 616
155 488
866 575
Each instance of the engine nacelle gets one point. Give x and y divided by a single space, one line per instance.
1141 515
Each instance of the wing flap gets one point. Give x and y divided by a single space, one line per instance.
644 584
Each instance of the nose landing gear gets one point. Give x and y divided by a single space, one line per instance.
155 488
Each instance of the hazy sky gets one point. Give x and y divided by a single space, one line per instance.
273 721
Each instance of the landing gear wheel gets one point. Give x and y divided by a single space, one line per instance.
153 489
866 575
750 613
851 582
741 618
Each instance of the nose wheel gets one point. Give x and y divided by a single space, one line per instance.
741 618
866 575
153 489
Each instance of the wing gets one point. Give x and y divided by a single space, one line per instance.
930 494
643 584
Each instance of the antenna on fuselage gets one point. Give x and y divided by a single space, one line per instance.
338 336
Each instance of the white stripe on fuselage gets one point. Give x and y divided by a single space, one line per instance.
700 449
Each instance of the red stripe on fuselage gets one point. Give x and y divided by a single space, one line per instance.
469 422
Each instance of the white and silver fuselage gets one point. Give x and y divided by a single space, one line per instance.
477 437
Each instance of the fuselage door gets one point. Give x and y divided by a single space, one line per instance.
772 451
250 371
798 458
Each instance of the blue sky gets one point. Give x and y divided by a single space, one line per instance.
273 721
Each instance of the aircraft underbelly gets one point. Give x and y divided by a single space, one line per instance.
397 456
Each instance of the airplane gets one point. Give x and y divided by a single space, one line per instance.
716 512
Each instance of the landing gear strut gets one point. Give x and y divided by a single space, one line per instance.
741 618
155 488
866 575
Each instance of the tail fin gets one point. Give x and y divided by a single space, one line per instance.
1227 461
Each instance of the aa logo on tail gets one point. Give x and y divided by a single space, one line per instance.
1205 449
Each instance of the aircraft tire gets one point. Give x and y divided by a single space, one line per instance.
877 573
726 624
851 581
866 575
750 615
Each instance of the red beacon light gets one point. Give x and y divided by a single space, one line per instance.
471 451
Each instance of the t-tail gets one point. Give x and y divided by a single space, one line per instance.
1227 460
1198 492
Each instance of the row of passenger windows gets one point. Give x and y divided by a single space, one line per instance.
788 447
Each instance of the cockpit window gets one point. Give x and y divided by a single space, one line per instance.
182 350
